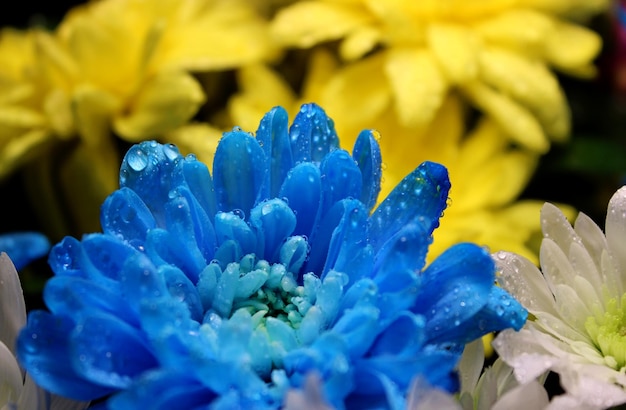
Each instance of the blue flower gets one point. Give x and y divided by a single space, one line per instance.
24 247
228 290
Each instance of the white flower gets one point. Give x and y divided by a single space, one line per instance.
578 304
494 387
17 389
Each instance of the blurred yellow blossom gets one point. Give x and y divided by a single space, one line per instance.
410 55
112 67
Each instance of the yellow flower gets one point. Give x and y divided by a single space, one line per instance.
410 55
112 67
486 172
23 126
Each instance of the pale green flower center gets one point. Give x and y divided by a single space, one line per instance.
262 289
608 332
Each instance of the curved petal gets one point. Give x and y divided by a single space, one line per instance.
418 85
12 307
366 153
420 196
238 172
309 23
43 346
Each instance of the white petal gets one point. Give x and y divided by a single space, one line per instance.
12 309
556 227
526 396
592 384
616 229
32 397
524 354
555 265
471 365
10 376
524 281
571 307
585 267
568 402
423 397
592 237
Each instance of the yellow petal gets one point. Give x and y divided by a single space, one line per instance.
515 120
262 89
456 49
20 117
226 34
21 148
520 29
321 68
58 110
357 91
403 149
304 24
569 46
164 103
93 110
530 83
493 174
198 138
56 64
576 9
418 85
359 42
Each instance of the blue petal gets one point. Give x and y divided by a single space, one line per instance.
182 225
24 247
43 350
312 134
147 169
274 222
182 290
229 226
366 153
141 280
203 230
238 172
273 137
454 288
401 257
327 240
341 178
162 247
303 191
501 311
358 328
79 298
349 251
420 197
109 352
404 336
437 366
107 254
125 214
164 390
198 179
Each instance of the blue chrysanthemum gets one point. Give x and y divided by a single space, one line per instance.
226 291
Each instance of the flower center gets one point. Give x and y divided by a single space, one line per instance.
261 289
608 332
